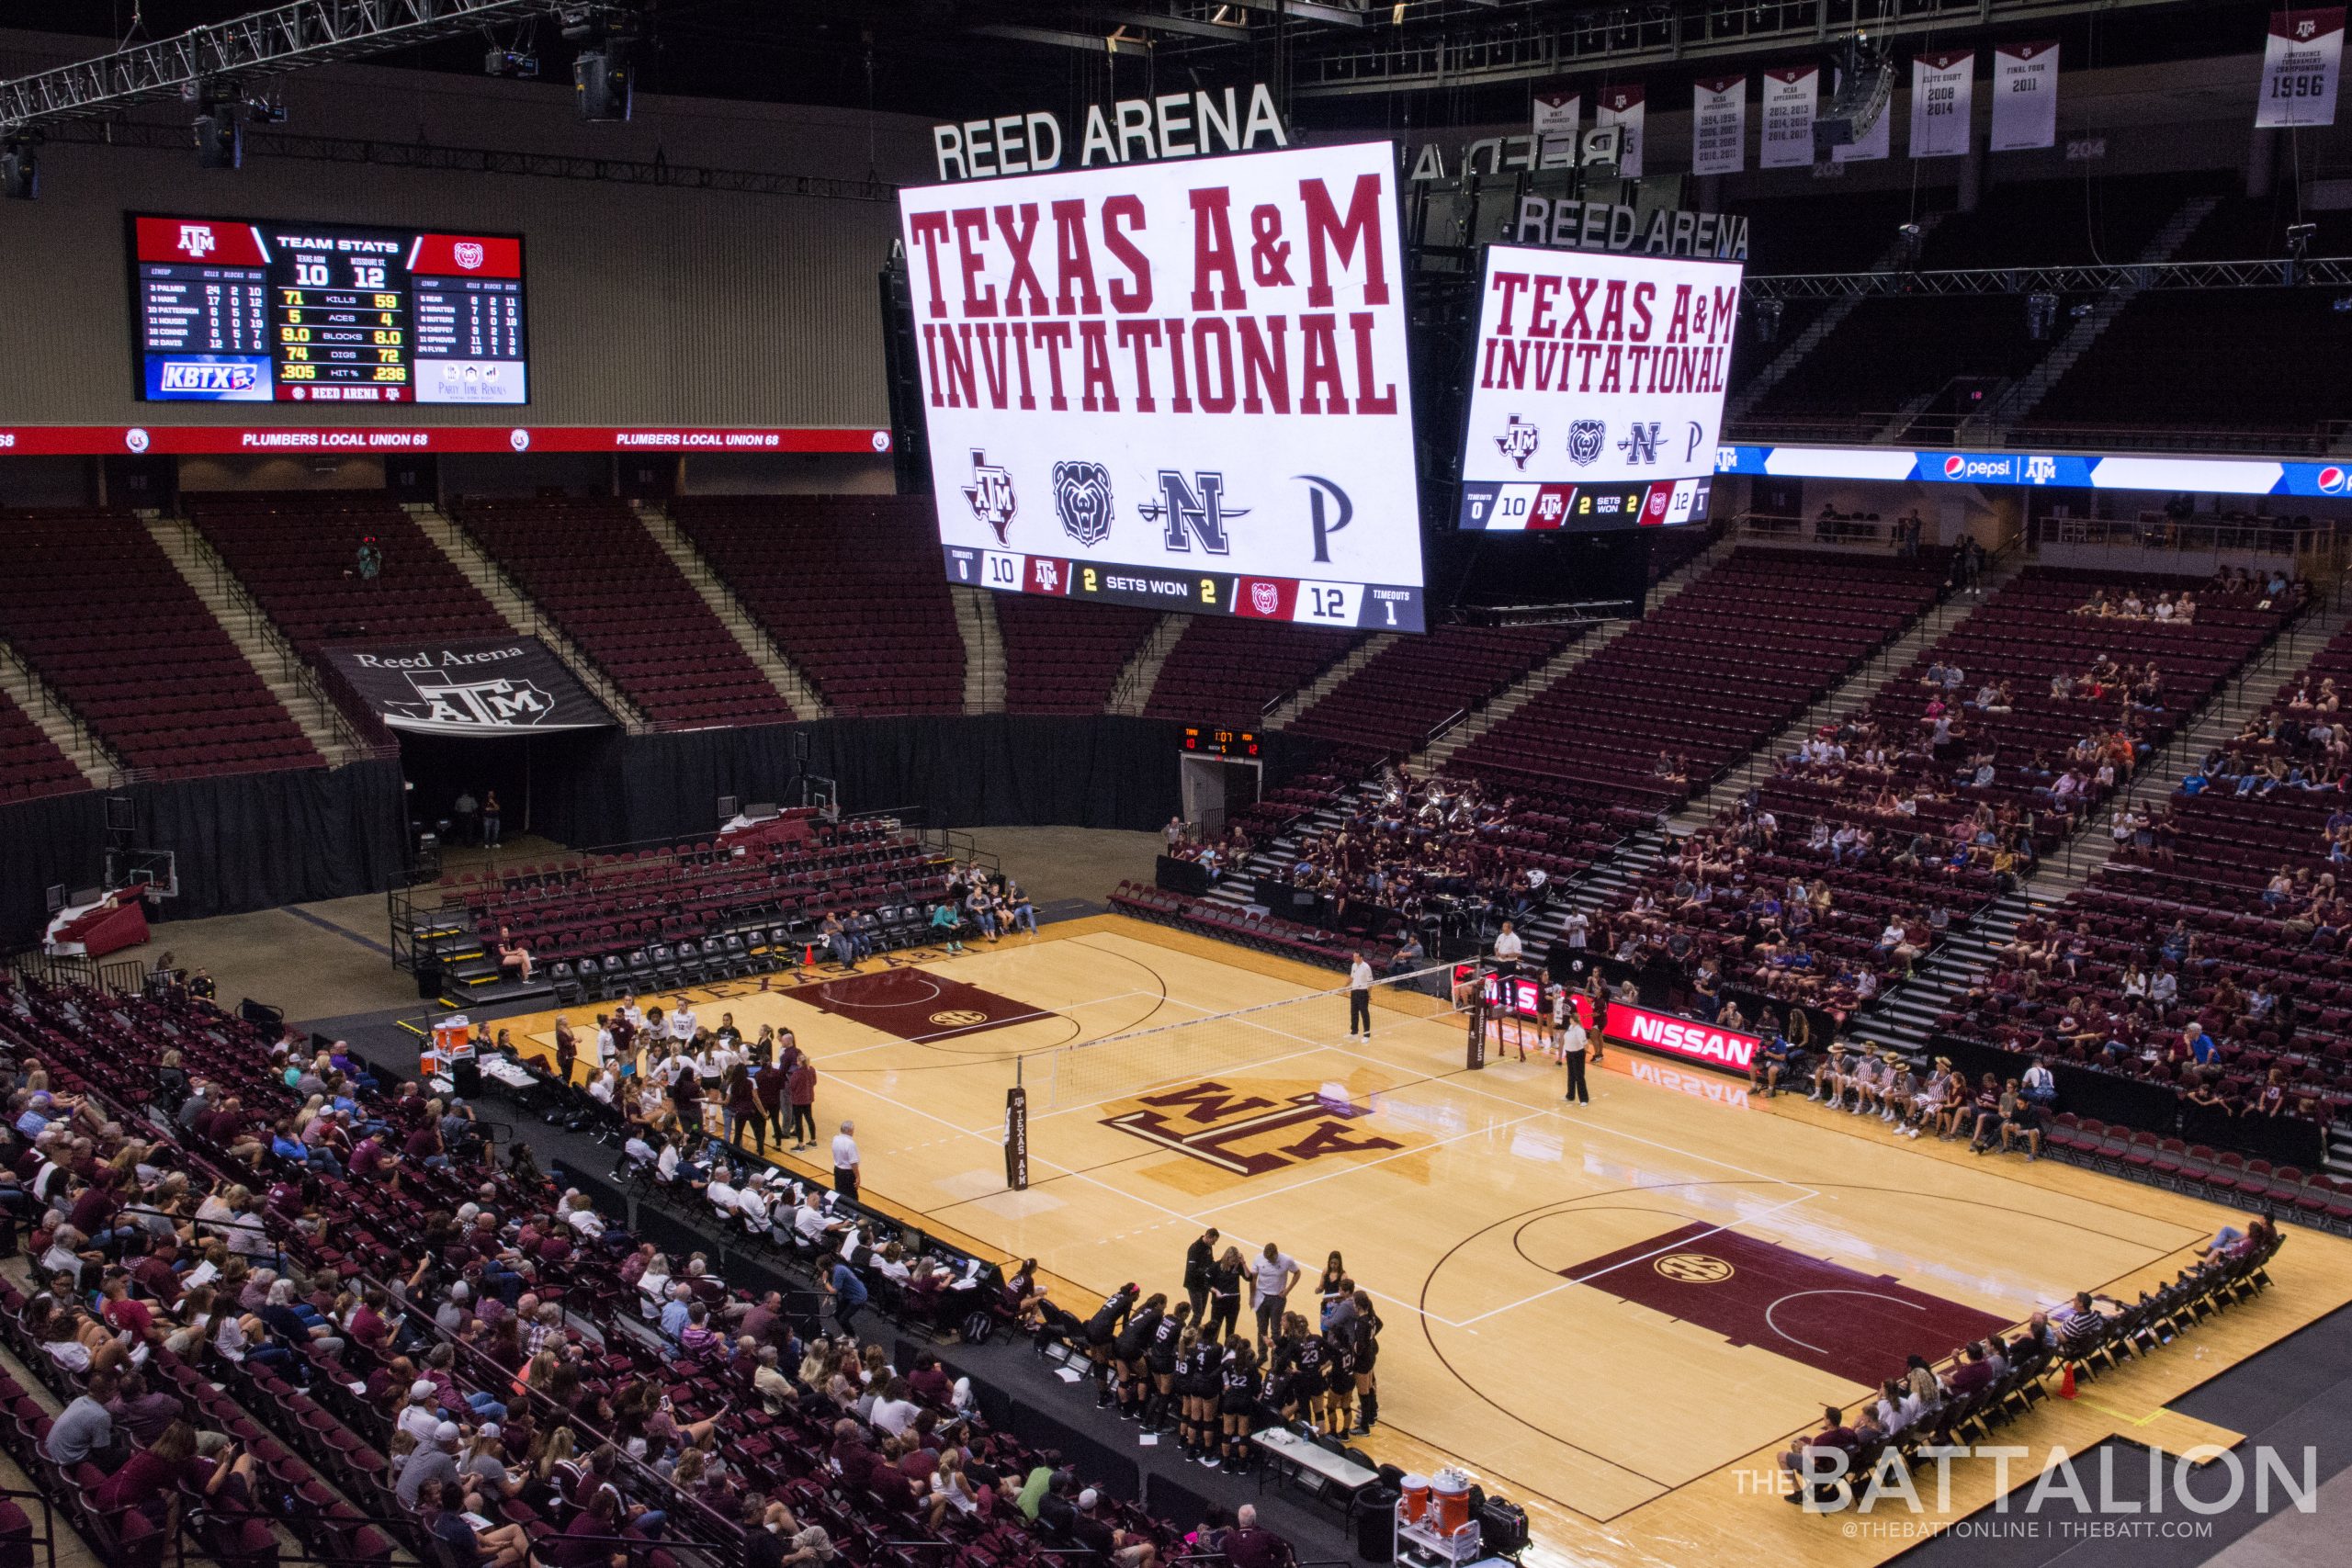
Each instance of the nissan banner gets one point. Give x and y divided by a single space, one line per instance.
493 690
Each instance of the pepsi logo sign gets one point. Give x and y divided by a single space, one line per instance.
1954 466
2330 480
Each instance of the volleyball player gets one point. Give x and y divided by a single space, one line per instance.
1198 1385
1240 1389
1338 1382
1159 1359
1333 1287
1363 1354
1101 1331
1295 1371
1555 1011
1128 1350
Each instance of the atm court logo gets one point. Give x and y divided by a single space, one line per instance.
1248 1128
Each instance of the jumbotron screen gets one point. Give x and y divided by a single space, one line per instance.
1596 390
234 309
1178 385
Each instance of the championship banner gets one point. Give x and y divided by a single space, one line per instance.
2300 62
1623 107
1943 98
1558 114
1789 98
2025 96
1719 125
490 691
1872 145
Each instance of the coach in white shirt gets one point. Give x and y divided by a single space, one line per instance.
1359 996
1508 949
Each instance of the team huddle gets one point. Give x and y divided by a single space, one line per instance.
1186 1367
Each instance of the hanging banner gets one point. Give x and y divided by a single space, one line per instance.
2301 63
1558 112
492 690
1789 97
2025 96
1624 108
1943 97
1719 125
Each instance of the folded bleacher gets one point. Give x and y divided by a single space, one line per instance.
93 603
623 602
850 586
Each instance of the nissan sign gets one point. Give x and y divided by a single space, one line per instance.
1686 1039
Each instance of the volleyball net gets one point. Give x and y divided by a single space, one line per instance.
1121 1066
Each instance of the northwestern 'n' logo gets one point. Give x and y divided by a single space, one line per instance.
1192 510
1639 444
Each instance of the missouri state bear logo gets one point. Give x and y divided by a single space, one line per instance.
1082 500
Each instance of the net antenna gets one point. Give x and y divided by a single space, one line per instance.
1118 1067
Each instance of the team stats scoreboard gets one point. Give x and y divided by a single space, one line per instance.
244 311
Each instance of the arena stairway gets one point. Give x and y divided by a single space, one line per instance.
1904 1015
1131 692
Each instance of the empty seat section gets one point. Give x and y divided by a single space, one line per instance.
1065 655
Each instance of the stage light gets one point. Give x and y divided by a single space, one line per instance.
1908 236
19 170
515 63
2040 314
220 138
601 81
2299 240
1768 321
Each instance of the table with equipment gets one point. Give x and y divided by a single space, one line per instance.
1324 1475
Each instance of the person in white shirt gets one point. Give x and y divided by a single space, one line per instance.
682 1023
605 1087
1573 1044
1508 951
1271 1274
809 1221
721 1191
845 1170
582 1217
752 1202
1577 929
1359 996
665 1164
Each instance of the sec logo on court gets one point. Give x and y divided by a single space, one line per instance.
958 1018
1693 1269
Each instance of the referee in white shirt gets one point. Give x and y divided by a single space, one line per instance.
1573 1041
1508 951
846 1161
1359 996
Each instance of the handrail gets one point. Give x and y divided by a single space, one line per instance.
52 700
632 716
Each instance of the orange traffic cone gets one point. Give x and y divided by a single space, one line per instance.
807 954
2066 1381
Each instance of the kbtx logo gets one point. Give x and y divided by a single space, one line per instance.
197 240
1190 510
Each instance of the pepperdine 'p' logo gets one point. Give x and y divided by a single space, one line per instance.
1082 500
1584 438
1247 1132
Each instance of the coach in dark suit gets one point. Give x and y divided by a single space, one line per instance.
1200 1261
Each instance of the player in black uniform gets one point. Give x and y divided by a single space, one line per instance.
1128 1349
1242 1389
1338 1381
1102 1332
1295 1371
1364 1331
1196 1385
1160 1360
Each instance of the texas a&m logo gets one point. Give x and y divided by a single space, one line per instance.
1248 1131
990 494
1517 440
197 240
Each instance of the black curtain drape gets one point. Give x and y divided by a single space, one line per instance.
57 839
989 770
256 841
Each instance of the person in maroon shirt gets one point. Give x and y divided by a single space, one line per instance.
1973 1373
1814 1462
768 1085
155 1275
800 1088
